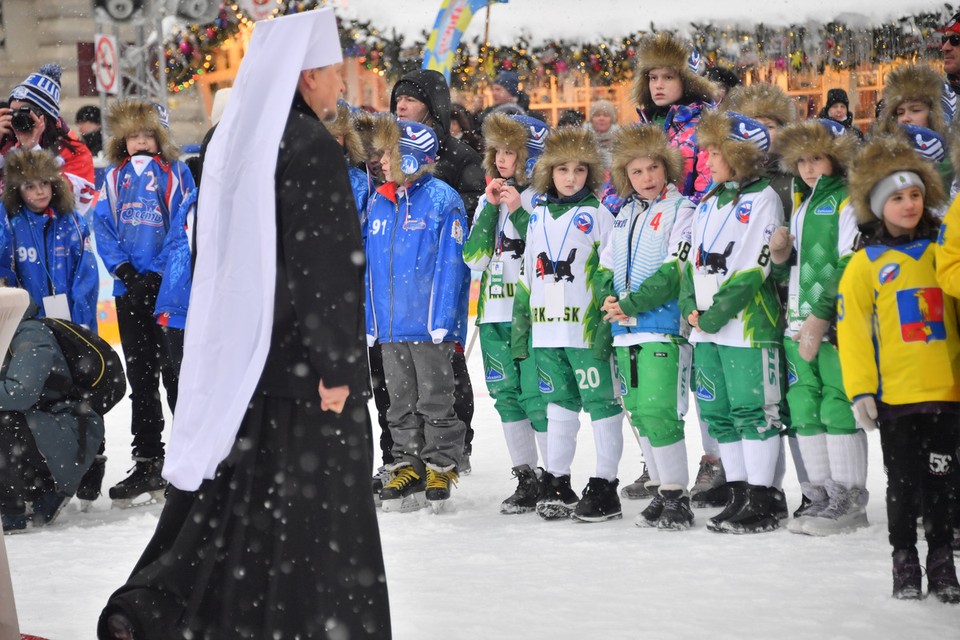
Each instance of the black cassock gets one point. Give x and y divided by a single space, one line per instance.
283 542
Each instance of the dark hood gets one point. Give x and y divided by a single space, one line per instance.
434 86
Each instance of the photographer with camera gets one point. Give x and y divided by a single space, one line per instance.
32 121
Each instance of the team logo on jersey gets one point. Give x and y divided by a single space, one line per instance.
414 224
494 370
560 270
791 373
409 165
513 246
768 233
584 222
921 314
705 389
889 273
136 213
544 381
714 262
828 208
533 219
456 232
743 212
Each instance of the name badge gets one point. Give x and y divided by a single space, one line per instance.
553 299
629 322
705 286
496 278
57 307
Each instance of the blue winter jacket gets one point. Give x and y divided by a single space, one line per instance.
417 283
175 256
133 214
361 190
51 254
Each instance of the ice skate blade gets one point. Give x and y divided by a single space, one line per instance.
85 505
604 518
727 527
513 509
554 510
406 504
153 497
441 506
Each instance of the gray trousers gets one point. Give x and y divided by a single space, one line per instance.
422 421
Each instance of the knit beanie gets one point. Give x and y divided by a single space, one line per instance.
535 144
41 89
418 146
509 81
411 90
927 142
837 95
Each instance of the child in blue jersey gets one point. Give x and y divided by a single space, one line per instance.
640 271
142 192
417 310
49 244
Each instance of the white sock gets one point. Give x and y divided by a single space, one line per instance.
672 464
848 458
649 458
521 443
731 455
781 469
803 476
711 447
608 439
813 450
562 428
542 437
760 460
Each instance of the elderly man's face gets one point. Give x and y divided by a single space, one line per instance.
951 53
321 88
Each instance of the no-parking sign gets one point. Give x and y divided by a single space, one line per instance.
106 64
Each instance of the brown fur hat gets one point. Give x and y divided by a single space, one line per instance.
643 141
810 138
762 100
564 145
663 50
364 124
128 117
745 159
500 131
913 82
24 166
882 156
385 137
343 126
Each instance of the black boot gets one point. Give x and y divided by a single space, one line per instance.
558 500
524 499
91 483
942 575
677 515
651 514
906 575
144 479
736 497
758 515
599 501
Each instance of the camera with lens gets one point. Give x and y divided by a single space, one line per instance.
22 121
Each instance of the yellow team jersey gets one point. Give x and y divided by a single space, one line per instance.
948 251
896 328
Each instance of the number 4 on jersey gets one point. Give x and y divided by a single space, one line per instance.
655 223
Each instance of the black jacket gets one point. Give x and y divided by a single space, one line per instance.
318 316
457 163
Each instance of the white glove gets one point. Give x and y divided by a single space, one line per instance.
865 412
810 336
781 245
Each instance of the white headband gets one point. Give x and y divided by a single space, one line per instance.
890 185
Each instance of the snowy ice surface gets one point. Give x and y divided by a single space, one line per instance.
542 20
474 573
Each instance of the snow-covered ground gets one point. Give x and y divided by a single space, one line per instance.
474 573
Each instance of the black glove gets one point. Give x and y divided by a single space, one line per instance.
128 275
150 282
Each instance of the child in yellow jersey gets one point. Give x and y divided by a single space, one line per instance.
899 353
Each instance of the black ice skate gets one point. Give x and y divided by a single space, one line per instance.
599 502
405 492
524 499
91 483
144 480
380 478
677 515
438 487
649 517
758 515
558 500
637 490
906 575
942 575
736 497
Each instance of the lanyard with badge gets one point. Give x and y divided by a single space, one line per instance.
496 266
705 285
633 247
56 304
553 292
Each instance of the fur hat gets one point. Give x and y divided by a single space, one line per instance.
343 126
883 156
523 135
412 146
663 50
762 100
568 144
129 117
23 166
643 141
365 124
732 133
913 82
815 137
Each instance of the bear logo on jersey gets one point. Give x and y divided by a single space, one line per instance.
560 270
514 245
714 262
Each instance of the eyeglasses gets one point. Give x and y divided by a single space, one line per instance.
954 39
